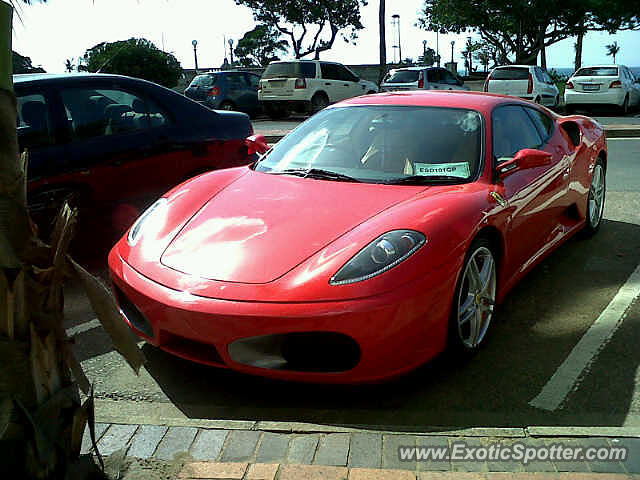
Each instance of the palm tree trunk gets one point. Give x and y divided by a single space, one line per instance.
383 41
578 60
42 419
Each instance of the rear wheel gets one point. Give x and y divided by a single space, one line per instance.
474 300
319 102
226 105
370 92
537 100
595 200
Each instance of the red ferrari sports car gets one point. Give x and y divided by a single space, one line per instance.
378 232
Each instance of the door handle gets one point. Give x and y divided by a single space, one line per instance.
328 83
345 84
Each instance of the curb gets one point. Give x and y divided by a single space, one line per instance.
168 415
631 131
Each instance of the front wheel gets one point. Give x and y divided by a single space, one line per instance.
595 200
319 102
474 299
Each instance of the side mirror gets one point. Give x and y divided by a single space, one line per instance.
524 159
256 144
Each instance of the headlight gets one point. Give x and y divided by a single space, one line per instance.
384 253
152 217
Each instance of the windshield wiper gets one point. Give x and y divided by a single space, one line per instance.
317 173
421 179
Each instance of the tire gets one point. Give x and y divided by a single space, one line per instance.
319 102
228 106
595 200
472 309
625 105
370 92
276 112
537 100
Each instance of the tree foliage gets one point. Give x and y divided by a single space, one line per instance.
428 58
136 57
23 64
260 46
519 29
311 26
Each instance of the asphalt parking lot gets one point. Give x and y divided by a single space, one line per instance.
534 333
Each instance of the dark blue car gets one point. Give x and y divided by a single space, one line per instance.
226 90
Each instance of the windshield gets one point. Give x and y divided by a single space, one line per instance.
383 144
203 81
597 72
290 70
402 76
510 74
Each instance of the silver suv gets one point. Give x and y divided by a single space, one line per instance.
419 78
308 86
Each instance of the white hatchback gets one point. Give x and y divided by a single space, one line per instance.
525 81
308 86
421 78
603 85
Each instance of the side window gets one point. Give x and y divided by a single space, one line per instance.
330 71
513 131
542 121
448 78
34 121
433 75
97 112
253 80
347 75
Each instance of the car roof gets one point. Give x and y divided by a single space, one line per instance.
612 65
414 68
480 101
30 77
515 66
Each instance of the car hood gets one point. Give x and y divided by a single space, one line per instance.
262 226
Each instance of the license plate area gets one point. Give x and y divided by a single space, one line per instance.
590 87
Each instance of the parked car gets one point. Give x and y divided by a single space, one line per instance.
613 85
101 140
421 78
525 81
380 230
308 86
226 90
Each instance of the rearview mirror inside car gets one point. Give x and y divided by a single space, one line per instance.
524 159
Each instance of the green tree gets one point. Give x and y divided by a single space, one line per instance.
23 64
470 49
520 29
68 65
260 46
41 416
484 57
613 50
136 57
428 58
297 18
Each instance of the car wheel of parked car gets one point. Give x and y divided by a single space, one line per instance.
319 102
474 299
275 112
537 100
595 202
370 92
625 105
227 106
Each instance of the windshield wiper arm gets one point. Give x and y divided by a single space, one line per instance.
317 173
421 179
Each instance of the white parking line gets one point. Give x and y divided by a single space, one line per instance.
83 327
593 341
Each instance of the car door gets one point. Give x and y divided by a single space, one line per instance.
550 91
449 81
252 91
332 83
40 128
434 77
352 82
238 91
536 197
112 143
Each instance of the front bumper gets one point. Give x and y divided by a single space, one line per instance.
392 333
610 97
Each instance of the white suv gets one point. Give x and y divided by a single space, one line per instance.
525 81
603 85
308 86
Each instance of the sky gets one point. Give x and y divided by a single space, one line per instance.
57 30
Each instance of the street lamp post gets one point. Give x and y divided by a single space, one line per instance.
231 51
396 20
424 52
195 53
453 42
469 45
438 46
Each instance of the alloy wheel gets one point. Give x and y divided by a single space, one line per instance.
476 298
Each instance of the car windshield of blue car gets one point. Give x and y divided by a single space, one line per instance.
382 144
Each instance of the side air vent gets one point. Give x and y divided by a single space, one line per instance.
573 131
